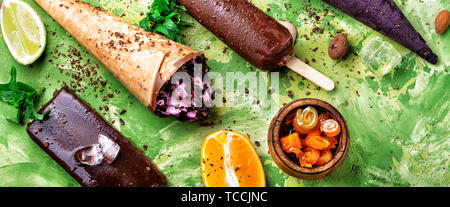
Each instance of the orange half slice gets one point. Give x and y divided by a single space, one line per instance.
228 159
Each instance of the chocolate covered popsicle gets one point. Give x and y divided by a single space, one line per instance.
254 35
88 148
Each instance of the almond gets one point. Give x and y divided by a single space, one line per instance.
442 21
338 46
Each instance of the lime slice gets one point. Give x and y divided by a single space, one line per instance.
23 31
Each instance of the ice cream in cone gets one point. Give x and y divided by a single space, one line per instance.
142 61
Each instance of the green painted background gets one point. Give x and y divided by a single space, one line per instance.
399 123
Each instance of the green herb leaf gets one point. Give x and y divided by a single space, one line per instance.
159 9
145 24
21 96
169 29
164 19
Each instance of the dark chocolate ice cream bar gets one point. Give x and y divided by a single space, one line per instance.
251 33
88 148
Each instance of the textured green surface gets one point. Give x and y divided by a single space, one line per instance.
399 123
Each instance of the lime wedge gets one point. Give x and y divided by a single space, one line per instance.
23 31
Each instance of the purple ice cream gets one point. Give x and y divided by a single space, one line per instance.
177 99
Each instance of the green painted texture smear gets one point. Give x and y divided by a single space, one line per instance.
398 122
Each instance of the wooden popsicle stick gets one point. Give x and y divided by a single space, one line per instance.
310 73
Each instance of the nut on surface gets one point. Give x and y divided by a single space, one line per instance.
338 46
442 21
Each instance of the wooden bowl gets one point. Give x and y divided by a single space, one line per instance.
292 167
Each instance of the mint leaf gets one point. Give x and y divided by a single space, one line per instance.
21 96
169 29
159 9
164 19
145 23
